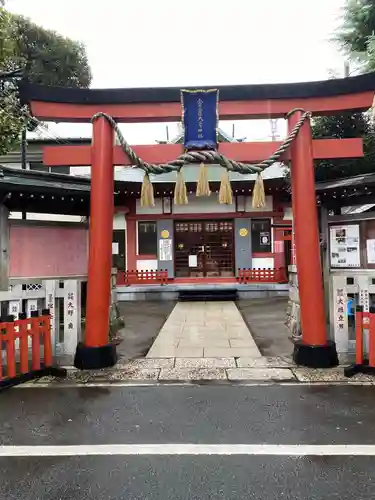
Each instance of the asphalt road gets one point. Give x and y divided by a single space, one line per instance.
202 415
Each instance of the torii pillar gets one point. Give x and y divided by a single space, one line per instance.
96 352
314 350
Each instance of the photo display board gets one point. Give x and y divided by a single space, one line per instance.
345 246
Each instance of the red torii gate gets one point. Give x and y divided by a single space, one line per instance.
236 102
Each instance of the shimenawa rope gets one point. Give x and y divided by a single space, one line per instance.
202 157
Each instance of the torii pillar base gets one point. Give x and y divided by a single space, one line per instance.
95 358
314 350
315 356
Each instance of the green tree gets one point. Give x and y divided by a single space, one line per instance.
11 119
46 58
355 35
345 126
49 58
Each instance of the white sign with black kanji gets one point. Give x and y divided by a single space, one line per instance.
72 315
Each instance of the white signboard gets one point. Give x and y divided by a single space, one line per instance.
370 251
165 249
340 310
115 249
72 315
50 304
193 261
345 246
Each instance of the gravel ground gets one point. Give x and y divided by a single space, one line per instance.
266 321
143 321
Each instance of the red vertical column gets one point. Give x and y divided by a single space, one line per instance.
314 350
95 352
131 236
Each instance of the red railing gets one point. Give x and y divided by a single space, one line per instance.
363 321
261 276
144 277
21 364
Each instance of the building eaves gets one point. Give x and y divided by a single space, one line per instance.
356 180
17 177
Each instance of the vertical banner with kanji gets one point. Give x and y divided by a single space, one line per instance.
200 118
72 315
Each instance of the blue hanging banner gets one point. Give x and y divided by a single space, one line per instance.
200 118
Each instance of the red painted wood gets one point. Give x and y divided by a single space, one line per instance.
372 339
100 235
265 255
204 280
24 347
306 232
35 343
46 331
39 331
247 152
131 243
359 337
134 277
10 347
261 276
228 110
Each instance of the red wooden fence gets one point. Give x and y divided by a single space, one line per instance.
261 276
363 321
19 365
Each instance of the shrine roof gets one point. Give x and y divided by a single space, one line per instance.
356 180
49 192
44 192
348 192
254 92
36 178
125 176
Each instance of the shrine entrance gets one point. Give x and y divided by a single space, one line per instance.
204 249
199 111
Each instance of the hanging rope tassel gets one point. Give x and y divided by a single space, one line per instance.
180 192
225 193
147 192
259 196
203 186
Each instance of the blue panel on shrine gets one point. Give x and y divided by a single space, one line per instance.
200 118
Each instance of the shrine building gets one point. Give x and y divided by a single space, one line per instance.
205 241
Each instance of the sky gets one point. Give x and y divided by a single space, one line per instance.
155 43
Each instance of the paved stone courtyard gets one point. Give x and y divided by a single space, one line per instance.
206 370
204 330
205 342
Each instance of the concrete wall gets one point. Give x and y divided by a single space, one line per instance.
47 251
242 244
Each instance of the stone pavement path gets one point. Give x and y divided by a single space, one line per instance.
204 330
